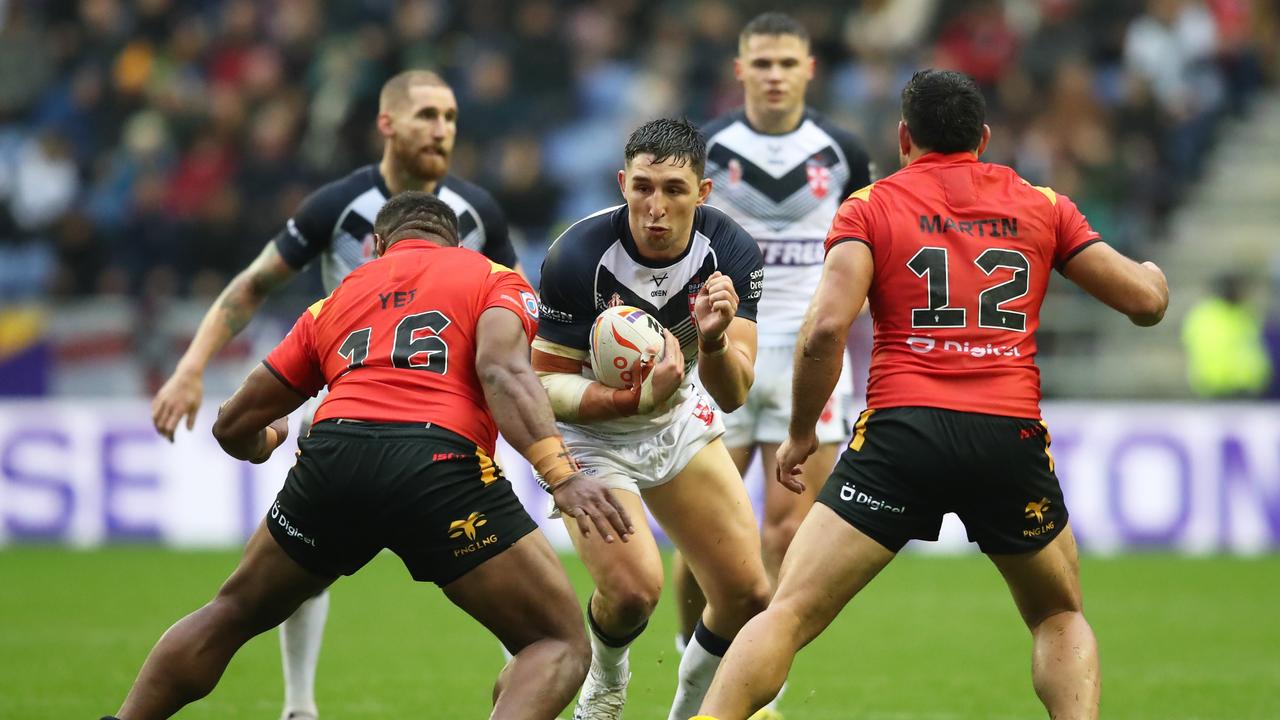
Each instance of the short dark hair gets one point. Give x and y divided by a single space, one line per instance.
773 23
416 214
395 91
944 111
669 138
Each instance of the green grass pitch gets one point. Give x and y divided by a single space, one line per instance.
931 639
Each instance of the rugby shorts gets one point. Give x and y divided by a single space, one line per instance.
907 466
644 459
766 414
428 494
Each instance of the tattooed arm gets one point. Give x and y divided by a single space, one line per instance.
181 394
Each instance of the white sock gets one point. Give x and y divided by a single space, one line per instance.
300 638
697 667
609 655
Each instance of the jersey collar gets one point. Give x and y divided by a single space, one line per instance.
937 158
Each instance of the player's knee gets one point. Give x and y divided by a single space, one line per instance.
631 602
743 603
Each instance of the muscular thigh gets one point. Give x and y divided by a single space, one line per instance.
707 514
1045 581
521 595
620 563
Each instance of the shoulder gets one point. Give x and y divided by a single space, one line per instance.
479 198
600 229
721 123
349 187
469 191
724 233
582 244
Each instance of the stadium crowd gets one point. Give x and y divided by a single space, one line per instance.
153 145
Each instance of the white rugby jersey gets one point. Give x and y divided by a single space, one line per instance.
784 190
336 223
595 264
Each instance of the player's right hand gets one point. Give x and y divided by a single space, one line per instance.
582 499
791 456
179 397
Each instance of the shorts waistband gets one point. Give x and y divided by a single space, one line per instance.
385 430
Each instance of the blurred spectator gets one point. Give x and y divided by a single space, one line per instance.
164 134
1223 336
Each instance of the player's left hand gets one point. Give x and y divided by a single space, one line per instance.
589 503
715 306
791 456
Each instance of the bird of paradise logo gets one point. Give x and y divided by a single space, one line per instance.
467 527
1037 509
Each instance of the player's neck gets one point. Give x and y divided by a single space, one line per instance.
774 123
399 181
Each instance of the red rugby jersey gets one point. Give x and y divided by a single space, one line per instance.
396 341
962 252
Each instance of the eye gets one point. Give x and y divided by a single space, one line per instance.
790 63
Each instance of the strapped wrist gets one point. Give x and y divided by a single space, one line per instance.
552 461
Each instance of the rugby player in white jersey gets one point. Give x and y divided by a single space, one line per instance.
780 170
699 275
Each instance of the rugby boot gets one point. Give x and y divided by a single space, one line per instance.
604 693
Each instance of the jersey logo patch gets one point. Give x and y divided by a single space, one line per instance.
819 176
530 304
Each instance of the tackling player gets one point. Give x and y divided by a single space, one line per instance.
425 353
780 170
417 118
700 275
955 255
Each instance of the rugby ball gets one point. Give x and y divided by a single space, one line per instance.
619 336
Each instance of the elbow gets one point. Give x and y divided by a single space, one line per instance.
1149 309
823 335
231 438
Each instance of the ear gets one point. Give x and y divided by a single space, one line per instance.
379 245
904 138
384 125
622 182
737 69
813 67
704 190
986 138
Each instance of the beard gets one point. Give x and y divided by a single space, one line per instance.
427 167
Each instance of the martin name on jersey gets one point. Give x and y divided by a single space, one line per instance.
784 190
336 223
595 265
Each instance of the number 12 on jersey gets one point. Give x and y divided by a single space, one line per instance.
931 263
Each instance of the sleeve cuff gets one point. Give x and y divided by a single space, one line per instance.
1062 264
284 381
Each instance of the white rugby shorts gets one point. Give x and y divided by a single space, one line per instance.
765 416
641 460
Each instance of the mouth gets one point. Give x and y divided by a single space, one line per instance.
775 95
657 229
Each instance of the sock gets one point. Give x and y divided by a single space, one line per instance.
300 638
609 654
697 668
682 642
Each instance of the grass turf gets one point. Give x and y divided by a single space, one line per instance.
931 639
